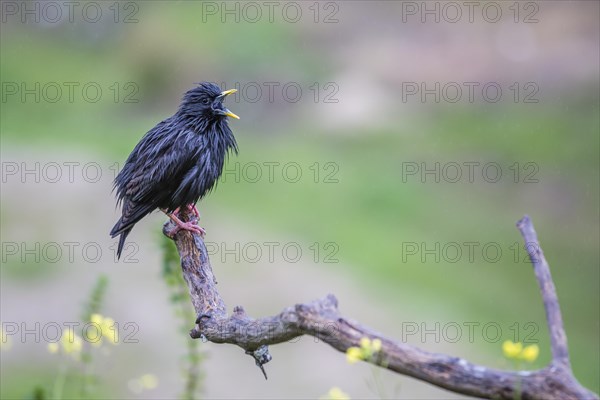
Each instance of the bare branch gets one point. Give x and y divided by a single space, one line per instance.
322 320
558 338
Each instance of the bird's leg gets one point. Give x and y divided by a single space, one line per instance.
188 226
192 207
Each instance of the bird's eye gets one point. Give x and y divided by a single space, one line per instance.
205 101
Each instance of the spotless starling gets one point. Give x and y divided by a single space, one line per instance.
177 162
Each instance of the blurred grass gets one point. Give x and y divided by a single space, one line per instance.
33 382
370 211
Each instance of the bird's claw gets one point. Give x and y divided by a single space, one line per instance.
192 207
187 226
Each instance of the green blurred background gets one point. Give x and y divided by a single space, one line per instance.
352 133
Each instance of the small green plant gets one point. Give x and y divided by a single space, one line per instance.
517 353
369 350
77 352
179 297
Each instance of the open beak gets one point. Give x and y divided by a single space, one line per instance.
224 94
227 92
230 114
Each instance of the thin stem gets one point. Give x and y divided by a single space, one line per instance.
558 337
59 382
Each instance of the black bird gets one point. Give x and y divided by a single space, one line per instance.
177 162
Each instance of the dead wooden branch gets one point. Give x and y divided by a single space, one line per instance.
322 320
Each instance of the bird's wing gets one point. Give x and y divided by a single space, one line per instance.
197 181
160 166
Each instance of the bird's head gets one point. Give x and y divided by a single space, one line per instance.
206 100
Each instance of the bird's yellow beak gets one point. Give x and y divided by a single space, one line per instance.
230 114
226 111
227 92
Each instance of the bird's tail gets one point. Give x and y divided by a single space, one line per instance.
123 231
132 212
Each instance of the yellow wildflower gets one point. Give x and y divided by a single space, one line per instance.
335 393
369 348
366 350
144 382
511 350
354 355
365 343
109 330
516 351
5 343
104 328
149 381
530 353
376 345
96 319
72 344
53 347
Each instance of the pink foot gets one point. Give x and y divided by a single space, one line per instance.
191 226
187 226
192 207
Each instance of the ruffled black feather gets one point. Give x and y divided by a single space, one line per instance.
177 162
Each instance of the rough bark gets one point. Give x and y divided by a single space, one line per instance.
321 319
